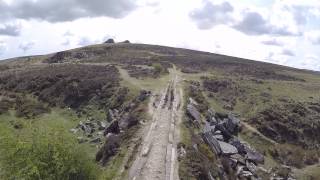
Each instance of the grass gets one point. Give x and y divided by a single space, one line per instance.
307 173
29 145
147 83
112 169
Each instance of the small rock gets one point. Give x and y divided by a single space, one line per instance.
95 140
232 124
240 159
112 128
109 148
144 95
212 142
246 174
193 102
241 147
193 113
181 152
252 167
73 130
224 131
218 137
208 128
81 140
211 113
254 156
227 148
217 132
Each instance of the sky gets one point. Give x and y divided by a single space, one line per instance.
285 32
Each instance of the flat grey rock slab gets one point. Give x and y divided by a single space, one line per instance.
227 148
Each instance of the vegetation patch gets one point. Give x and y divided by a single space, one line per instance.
44 154
293 122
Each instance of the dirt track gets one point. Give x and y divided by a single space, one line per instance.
157 157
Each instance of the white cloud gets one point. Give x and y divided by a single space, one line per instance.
211 14
3 47
10 29
287 52
272 42
68 10
313 36
259 30
25 46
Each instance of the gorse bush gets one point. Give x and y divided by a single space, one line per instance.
46 154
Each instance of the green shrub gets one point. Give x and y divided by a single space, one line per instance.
29 108
5 105
46 154
159 69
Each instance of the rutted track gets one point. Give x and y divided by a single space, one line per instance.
157 156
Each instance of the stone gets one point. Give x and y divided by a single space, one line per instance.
109 148
217 132
254 156
193 102
240 159
232 124
143 95
212 142
213 120
96 140
81 140
252 167
227 148
101 125
73 130
109 41
226 134
110 116
240 146
127 121
208 128
112 128
239 170
246 174
211 113
89 123
124 122
86 129
193 112
210 177
181 152
218 137
220 115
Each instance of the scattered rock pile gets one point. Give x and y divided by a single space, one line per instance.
120 120
220 133
90 131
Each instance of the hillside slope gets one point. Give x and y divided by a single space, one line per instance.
141 111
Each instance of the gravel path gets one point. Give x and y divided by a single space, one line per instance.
157 157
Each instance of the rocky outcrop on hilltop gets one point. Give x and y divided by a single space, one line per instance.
109 41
